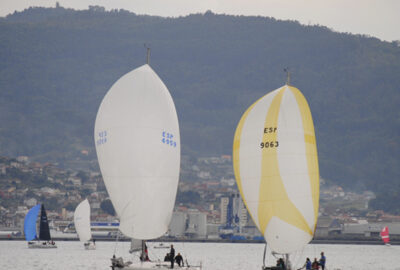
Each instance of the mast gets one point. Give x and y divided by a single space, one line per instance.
265 252
143 255
147 54
287 75
287 262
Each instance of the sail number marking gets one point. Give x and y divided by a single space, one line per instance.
168 139
270 129
102 137
269 144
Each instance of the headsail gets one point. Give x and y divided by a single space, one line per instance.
136 245
276 168
30 223
44 230
138 147
82 221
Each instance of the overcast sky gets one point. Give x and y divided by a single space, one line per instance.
378 18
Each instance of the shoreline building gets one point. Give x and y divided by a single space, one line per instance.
234 216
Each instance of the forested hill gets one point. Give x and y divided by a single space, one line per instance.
56 65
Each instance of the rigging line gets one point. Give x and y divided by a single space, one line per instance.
265 252
314 251
184 251
153 254
135 255
116 242
298 256
286 70
184 254
147 53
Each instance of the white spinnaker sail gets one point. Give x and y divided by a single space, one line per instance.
82 221
138 149
276 168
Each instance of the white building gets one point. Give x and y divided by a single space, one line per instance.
76 181
49 191
196 224
22 159
30 202
192 224
224 209
178 224
22 210
370 229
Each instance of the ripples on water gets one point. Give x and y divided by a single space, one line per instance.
223 256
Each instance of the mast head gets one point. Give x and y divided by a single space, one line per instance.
287 75
147 53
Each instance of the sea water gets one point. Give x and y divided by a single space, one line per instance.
213 256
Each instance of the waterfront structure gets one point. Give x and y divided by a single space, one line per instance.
190 224
370 229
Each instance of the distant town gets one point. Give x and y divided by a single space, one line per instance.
208 204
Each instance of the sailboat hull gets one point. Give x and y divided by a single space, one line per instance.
39 244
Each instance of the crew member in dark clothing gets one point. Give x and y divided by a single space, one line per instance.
179 259
166 258
172 255
113 262
322 261
117 262
281 264
315 264
144 257
307 264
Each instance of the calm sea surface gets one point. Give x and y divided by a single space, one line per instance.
214 256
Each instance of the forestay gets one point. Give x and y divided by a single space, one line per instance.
138 148
82 221
276 168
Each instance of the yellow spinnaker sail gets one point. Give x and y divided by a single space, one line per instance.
276 168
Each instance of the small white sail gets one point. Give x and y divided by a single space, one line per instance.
82 221
136 245
138 148
276 168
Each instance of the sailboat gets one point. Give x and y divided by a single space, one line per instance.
82 225
138 148
385 235
44 239
276 169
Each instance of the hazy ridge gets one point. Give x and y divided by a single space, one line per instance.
56 65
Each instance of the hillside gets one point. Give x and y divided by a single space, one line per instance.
56 65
